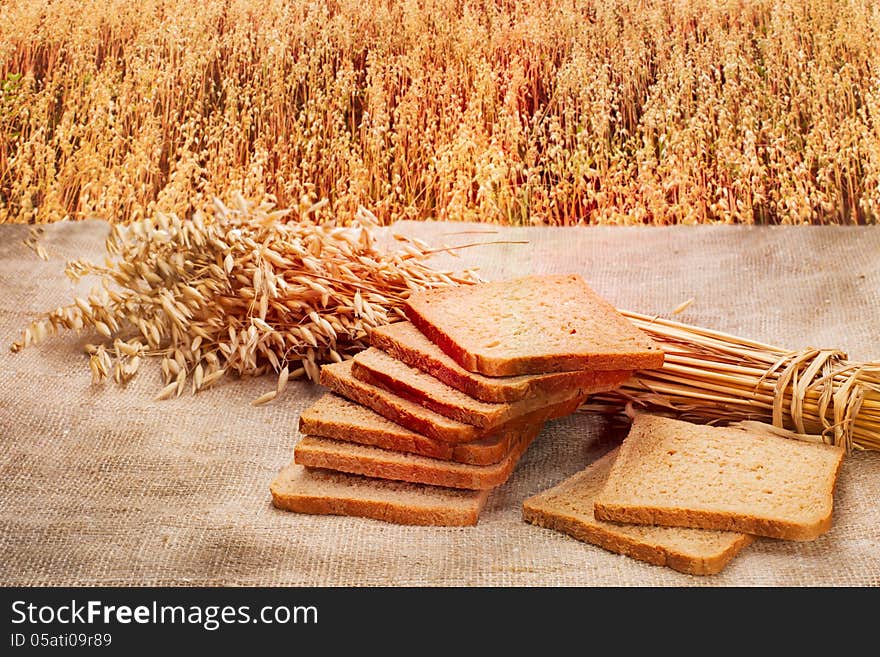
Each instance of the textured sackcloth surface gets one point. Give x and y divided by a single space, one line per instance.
100 485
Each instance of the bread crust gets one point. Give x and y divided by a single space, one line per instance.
620 544
339 378
417 351
486 451
366 500
718 520
386 512
374 462
372 366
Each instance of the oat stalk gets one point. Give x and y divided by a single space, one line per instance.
246 290
558 113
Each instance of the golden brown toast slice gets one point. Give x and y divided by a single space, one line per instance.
568 508
406 343
531 325
304 490
671 472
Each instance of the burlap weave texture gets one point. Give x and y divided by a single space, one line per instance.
101 485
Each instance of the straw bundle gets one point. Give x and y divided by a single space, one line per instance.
710 376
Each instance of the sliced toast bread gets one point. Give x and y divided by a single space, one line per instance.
568 508
339 378
369 461
406 343
336 417
376 367
304 490
671 472
531 325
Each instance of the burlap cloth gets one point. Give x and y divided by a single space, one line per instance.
100 485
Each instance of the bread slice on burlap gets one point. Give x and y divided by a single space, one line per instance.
329 454
336 417
339 378
671 472
406 343
568 508
531 325
305 490
376 367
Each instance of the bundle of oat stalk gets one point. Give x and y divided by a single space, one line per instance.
709 376
247 290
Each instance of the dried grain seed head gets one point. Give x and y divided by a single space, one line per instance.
246 289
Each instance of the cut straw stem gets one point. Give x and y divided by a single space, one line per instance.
711 375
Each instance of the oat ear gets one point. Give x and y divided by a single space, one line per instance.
245 290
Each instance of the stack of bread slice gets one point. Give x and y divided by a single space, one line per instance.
691 496
420 427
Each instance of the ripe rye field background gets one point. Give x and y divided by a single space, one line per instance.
553 111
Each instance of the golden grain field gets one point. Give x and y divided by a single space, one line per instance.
536 111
